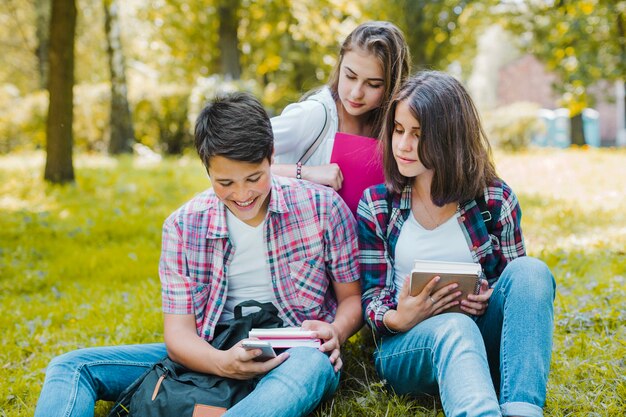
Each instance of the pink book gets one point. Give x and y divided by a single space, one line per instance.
360 160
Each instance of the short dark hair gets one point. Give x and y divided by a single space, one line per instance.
452 141
235 126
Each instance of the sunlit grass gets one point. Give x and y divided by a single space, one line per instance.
78 267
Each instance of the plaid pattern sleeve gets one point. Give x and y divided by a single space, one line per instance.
175 288
376 265
508 229
343 248
496 247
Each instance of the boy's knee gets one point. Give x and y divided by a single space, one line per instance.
309 358
69 362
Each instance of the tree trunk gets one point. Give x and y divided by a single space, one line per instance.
578 135
621 125
122 134
59 168
228 43
42 9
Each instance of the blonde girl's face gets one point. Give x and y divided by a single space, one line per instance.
361 82
404 141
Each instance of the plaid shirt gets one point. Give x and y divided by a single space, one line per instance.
378 233
310 240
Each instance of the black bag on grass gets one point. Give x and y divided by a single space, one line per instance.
170 389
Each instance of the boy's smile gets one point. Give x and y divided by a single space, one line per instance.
244 187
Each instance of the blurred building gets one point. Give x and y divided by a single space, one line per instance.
526 79
502 76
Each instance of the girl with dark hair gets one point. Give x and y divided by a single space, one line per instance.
373 62
442 201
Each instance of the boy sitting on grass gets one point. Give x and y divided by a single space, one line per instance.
250 236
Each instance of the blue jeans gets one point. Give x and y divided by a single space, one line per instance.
509 346
76 380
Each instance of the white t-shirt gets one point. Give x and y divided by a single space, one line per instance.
248 274
444 243
297 127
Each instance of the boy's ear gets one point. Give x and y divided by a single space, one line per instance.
272 157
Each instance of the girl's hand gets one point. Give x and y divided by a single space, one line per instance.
239 363
412 310
329 175
477 304
330 337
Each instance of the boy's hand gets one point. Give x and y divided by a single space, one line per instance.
239 363
330 337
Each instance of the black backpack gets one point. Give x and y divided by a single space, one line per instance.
170 389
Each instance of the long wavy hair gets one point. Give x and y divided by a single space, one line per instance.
387 43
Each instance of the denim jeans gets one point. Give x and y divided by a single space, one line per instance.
461 358
76 380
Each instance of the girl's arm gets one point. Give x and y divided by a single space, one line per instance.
295 131
376 267
329 174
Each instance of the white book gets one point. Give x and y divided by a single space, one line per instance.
295 332
466 274
286 337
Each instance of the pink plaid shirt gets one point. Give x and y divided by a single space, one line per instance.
310 240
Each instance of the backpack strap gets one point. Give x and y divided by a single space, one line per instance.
490 217
318 140
484 211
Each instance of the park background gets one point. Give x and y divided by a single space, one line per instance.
86 182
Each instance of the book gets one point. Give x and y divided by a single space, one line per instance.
286 337
466 274
360 161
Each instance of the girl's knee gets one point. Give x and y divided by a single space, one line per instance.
533 275
456 328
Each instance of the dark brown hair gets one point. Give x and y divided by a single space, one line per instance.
387 43
452 141
235 126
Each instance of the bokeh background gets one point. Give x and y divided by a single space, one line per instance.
79 249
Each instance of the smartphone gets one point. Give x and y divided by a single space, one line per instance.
267 351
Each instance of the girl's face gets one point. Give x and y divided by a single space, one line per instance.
361 82
243 187
406 134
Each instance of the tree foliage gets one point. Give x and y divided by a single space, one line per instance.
582 41
438 33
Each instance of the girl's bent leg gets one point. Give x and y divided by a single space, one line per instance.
445 352
76 380
294 388
517 328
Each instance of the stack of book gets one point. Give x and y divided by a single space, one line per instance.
286 337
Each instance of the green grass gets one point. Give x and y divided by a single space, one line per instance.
78 268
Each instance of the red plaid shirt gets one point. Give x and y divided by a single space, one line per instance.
310 239
379 232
